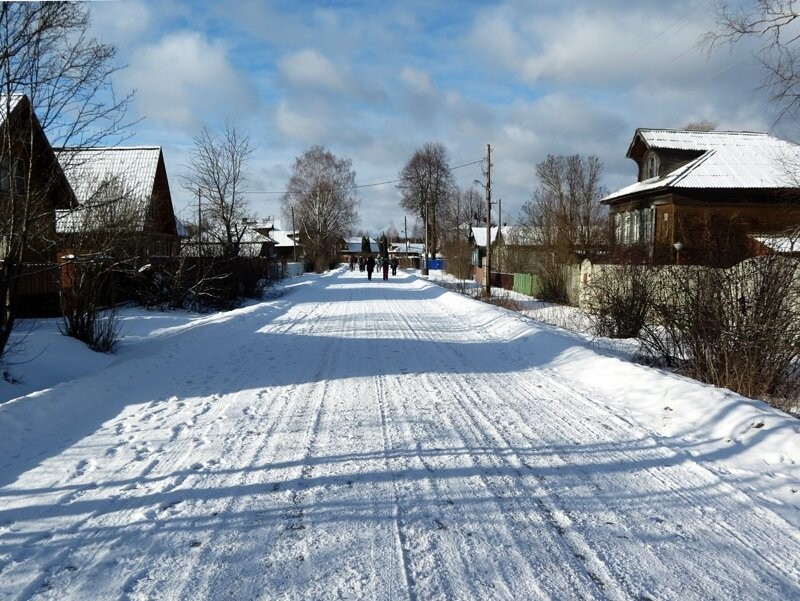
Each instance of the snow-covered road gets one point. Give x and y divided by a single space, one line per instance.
371 440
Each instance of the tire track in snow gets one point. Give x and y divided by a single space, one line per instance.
402 543
436 560
671 479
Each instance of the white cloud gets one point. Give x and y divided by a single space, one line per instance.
302 126
418 82
185 76
309 69
120 22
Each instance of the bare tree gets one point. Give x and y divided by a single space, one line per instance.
322 193
53 77
773 25
702 125
218 174
464 208
566 214
102 234
426 183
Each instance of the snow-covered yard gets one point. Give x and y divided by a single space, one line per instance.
355 439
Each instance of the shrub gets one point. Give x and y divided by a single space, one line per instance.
620 299
736 328
88 312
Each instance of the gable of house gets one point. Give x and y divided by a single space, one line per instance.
129 180
27 159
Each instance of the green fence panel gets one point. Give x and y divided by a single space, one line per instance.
526 283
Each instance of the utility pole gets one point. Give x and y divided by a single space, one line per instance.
294 237
488 221
425 250
405 231
500 232
198 296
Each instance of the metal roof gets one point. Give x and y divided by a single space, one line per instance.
88 169
133 167
681 139
730 160
12 100
284 239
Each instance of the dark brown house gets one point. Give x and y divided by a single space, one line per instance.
32 188
122 187
704 197
31 179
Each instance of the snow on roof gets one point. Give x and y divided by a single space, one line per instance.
89 169
12 100
413 247
134 167
180 227
730 160
282 238
520 235
353 245
780 244
681 139
479 235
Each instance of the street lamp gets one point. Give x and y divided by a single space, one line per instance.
678 246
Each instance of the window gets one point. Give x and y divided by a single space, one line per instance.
633 227
647 225
651 165
618 228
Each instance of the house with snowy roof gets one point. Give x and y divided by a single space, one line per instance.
705 197
352 246
512 245
119 187
29 172
286 245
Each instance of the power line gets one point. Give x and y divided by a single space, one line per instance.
373 185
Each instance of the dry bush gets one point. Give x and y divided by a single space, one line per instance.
552 280
503 299
620 299
88 312
736 328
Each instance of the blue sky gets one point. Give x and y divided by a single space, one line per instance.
373 81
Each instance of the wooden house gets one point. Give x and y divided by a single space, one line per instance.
703 197
32 188
31 179
125 188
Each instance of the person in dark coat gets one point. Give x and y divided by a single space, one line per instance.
370 266
361 264
352 262
393 264
385 266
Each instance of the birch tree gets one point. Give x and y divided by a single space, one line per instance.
322 194
426 183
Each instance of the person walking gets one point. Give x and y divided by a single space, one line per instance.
352 262
361 264
370 266
385 266
393 264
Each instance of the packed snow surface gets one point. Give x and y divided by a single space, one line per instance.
384 440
